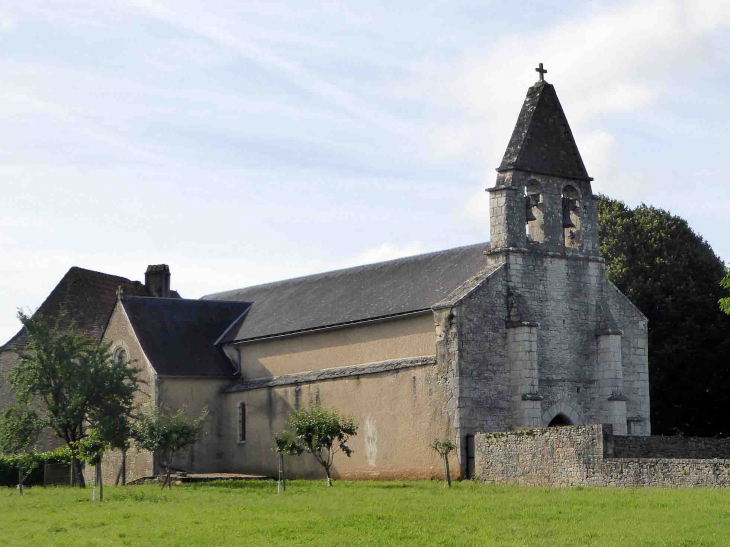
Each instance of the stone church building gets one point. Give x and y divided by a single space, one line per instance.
521 332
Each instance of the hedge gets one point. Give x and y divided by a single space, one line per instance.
9 466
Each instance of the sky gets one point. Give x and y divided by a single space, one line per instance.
246 142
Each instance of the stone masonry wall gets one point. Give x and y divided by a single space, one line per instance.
670 447
583 456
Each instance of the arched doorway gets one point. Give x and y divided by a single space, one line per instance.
560 420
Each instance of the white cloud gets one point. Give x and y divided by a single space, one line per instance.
7 22
604 61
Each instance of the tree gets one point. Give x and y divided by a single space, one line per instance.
91 450
725 284
322 433
672 275
285 444
19 429
72 380
159 430
443 449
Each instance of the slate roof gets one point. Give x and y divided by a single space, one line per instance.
542 141
85 297
354 294
178 336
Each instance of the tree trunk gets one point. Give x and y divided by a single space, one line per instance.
78 473
281 485
167 481
96 481
122 470
101 481
20 479
329 477
448 473
283 473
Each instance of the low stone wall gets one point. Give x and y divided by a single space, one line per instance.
583 456
670 447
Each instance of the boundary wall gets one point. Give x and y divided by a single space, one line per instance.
590 455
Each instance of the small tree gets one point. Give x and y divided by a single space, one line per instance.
323 433
285 444
73 378
159 430
19 429
443 449
91 450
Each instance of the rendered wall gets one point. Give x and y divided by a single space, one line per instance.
367 343
399 413
208 453
584 456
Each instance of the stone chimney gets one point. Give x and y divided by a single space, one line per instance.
157 280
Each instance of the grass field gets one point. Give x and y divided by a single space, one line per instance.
365 513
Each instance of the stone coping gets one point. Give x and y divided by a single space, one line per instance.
333 373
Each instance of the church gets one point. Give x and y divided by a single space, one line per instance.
523 331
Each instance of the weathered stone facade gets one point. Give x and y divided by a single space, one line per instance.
592 456
542 334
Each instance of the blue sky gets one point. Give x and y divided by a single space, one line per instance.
245 142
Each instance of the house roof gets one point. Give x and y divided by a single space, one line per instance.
178 336
354 294
85 297
542 141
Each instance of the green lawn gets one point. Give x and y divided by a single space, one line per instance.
364 513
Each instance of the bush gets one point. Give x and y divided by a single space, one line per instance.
9 466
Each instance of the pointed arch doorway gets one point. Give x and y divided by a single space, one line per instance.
560 420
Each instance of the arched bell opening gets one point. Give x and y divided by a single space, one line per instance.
560 420
571 217
533 214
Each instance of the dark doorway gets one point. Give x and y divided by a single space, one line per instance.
470 456
560 420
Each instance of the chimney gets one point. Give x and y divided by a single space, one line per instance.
157 280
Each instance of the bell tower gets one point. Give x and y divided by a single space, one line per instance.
543 198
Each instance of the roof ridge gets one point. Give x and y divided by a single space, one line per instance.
321 275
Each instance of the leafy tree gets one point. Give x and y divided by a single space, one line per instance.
443 449
285 444
19 429
73 381
725 284
322 433
159 430
91 450
672 275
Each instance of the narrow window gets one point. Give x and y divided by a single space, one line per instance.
120 355
241 422
533 215
571 217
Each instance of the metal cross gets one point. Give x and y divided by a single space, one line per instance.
542 72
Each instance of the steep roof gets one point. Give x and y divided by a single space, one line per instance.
85 297
178 336
542 141
355 294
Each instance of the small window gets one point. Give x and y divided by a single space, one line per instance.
241 422
120 356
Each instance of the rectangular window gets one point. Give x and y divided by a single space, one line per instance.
241 422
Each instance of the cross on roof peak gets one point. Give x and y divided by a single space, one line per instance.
542 72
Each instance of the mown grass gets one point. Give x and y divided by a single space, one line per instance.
365 513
